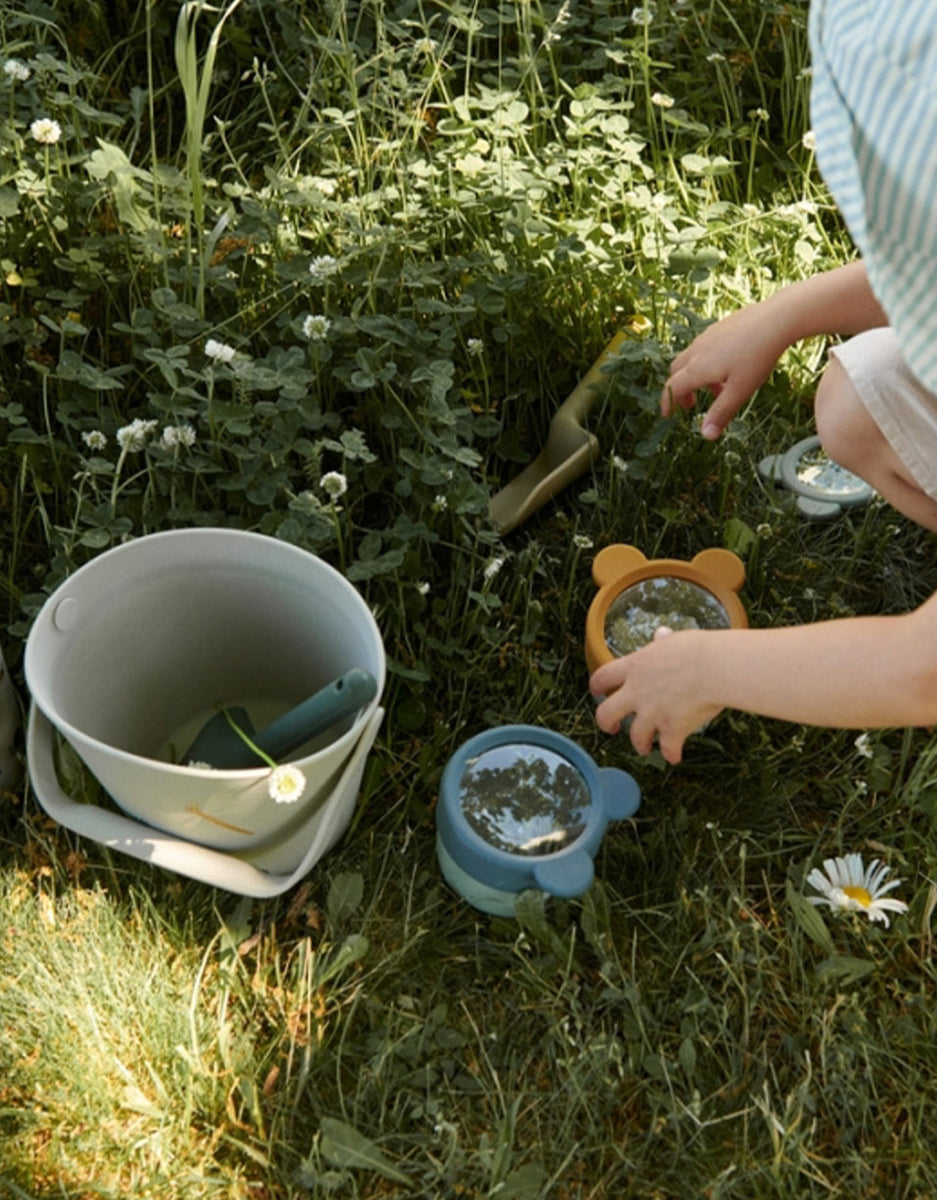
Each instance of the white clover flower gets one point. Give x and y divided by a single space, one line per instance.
764 530
662 100
643 13
94 439
322 267
316 327
219 352
334 484
16 70
863 745
46 131
134 436
475 347
620 464
440 502
286 784
423 587
809 141
492 567
715 57
848 886
582 541
759 114
177 435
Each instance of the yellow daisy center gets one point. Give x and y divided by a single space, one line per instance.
859 894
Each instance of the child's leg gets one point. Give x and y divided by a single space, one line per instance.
875 420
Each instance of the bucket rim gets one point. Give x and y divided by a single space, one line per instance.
77 736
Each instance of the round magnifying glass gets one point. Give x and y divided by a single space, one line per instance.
642 608
823 488
523 807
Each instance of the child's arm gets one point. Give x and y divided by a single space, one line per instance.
860 672
734 357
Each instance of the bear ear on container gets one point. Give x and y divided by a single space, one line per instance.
135 653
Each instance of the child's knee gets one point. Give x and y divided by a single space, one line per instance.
846 431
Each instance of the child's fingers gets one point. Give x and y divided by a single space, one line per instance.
727 403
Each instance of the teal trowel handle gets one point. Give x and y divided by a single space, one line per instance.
220 745
340 698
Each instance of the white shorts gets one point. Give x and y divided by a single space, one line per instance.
904 410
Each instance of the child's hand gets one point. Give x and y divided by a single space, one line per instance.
730 359
663 686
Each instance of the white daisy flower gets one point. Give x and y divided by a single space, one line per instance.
134 436
16 70
46 131
316 327
94 439
334 484
848 886
286 784
219 352
322 267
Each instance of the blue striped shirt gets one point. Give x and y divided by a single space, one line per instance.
874 115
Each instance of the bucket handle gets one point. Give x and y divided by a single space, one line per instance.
162 849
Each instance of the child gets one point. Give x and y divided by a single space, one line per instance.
874 111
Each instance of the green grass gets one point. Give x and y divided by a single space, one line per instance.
485 177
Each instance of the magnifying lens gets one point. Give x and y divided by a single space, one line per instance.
637 595
523 807
637 612
823 488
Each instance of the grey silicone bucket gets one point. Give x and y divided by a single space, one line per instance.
142 644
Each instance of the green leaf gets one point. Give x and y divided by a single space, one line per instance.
384 564
352 950
343 1146
9 202
686 1056
524 1183
738 536
345 895
844 968
809 919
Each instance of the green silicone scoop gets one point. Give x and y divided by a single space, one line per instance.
219 745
